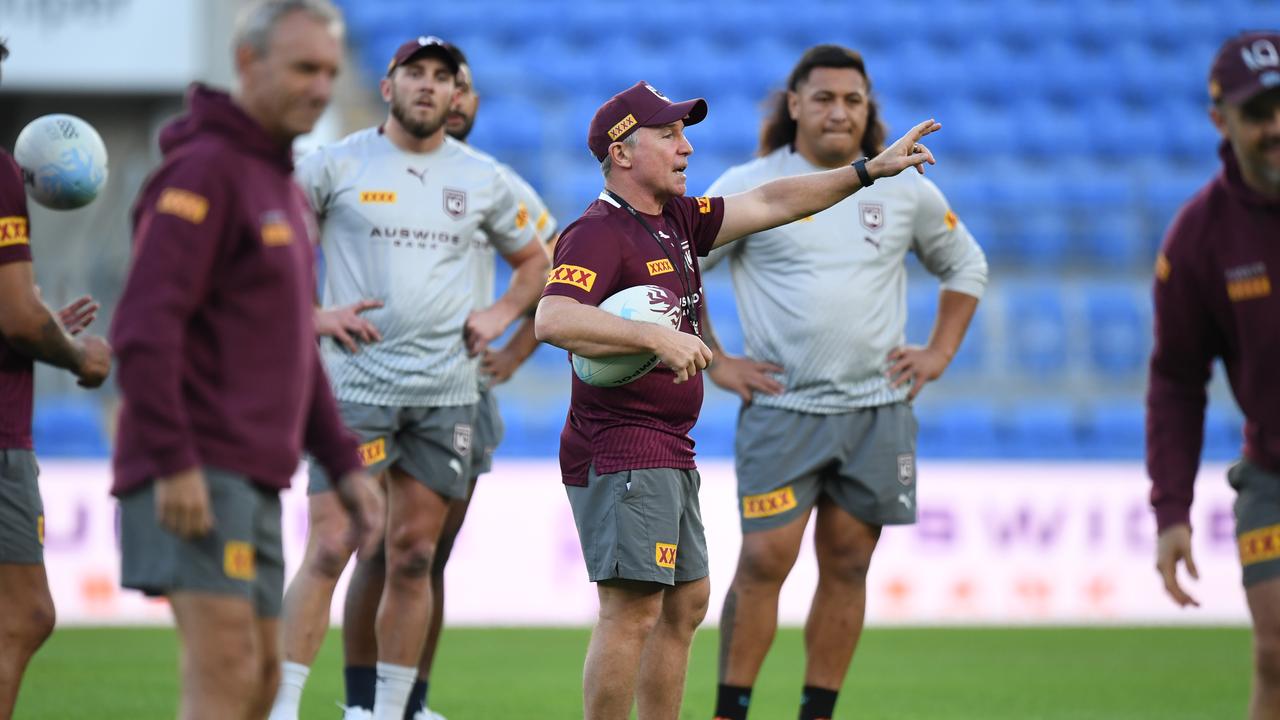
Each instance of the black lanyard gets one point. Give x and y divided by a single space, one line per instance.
681 268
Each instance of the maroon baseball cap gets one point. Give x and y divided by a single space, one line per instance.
1246 65
640 105
424 45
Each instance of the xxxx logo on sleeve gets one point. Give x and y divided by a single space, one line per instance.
664 554
13 231
769 504
185 204
574 275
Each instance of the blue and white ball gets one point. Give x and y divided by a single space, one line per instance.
645 303
63 161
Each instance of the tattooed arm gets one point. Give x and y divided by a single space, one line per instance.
32 329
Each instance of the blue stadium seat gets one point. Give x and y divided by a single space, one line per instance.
959 430
1223 434
1036 328
69 427
1045 428
1115 239
1118 320
533 425
509 124
731 128
1115 430
717 424
922 311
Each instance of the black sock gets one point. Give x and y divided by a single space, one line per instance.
817 703
362 684
732 702
417 699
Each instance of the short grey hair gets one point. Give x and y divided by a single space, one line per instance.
257 21
606 165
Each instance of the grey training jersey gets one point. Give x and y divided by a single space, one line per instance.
825 297
401 228
530 210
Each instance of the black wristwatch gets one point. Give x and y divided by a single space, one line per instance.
860 166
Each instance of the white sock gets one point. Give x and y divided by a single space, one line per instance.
292 678
395 682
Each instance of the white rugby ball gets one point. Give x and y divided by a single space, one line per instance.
645 303
63 161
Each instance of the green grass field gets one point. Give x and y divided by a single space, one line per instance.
524 674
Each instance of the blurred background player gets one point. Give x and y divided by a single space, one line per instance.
222 381
1216 297
400 206
29 332
625 453
827 419
497 366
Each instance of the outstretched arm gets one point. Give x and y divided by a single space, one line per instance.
785 200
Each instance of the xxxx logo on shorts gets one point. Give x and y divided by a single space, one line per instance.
13 231
40 529
237 560
664 554
1260 545
659 267
185 204
374 451
574 275
769 504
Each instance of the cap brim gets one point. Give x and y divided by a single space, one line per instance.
691 111
1240 96
439 52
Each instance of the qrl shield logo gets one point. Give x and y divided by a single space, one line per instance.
462 439
872 215
906 469
455 202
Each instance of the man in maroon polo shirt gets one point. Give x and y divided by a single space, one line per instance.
1216 296
625 454
218 364
29 331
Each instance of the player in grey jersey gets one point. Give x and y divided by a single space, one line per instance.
496 366
827 421
400 207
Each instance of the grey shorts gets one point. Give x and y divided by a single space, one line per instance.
641 525
21 509
863 460
431 444
489 430
241 556
1257 521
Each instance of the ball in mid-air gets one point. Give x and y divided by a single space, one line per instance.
645 303
63 161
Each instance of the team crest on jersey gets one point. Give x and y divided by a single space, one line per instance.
455 202
462 438
871 215
906 468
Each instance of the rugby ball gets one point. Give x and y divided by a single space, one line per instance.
645 303
63 161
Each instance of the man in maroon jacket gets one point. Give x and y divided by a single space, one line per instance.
218 364
29 331
1214 298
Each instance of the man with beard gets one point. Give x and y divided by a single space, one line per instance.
827 428
358 642
400 206
1215 298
